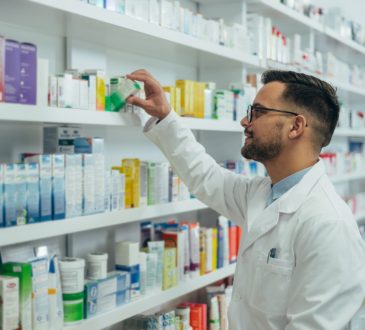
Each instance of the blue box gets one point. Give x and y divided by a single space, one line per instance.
33 196
9 195
115 281
58 186
134 274
45 184
20 181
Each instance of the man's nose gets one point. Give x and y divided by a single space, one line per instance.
244 122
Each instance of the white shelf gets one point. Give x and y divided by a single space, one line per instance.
360 217
345 42
349 132
30 232
115 26
289 21
33 114
145 303
284 17
347 177
356 93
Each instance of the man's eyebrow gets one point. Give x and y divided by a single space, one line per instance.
258 104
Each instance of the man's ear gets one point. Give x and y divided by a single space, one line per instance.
297 127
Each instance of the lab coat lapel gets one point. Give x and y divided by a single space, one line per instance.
263 223
288 203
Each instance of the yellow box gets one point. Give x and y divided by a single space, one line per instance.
214 248
187 97
169 268
178 100
203 251
100 88
199 88
131 170
171 91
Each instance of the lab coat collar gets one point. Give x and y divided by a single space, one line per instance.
288 203
294 197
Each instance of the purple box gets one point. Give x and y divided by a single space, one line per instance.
2 64
28 74
12 71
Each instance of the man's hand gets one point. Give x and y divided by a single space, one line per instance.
155 103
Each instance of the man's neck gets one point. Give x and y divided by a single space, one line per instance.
279 169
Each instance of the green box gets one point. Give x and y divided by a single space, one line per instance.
23 271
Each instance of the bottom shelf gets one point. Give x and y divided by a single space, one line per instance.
148 302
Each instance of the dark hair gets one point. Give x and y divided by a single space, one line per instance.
317 97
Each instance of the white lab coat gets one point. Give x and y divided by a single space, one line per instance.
317 280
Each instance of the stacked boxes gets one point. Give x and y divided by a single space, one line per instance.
127 260
60 139
96 162
106 294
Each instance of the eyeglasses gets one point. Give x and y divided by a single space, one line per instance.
251 109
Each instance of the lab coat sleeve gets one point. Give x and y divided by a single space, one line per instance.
328 281
217 187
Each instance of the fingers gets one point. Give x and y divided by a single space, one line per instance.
135 100
142 75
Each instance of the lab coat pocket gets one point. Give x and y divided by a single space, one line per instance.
270 288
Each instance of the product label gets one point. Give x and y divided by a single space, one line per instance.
73 310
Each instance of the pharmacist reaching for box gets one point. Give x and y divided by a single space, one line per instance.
301 263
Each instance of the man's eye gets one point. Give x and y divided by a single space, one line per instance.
259 113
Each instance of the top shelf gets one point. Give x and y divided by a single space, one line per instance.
111 29
103 27
289 21
78 16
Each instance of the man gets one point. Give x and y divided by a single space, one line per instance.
301 263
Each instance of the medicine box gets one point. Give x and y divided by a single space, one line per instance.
45 184
60 139
106 303
114 282
127 253
23 271
12 71
86 145
9 307
28 74
134 272
2 68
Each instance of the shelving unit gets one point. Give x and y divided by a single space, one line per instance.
30 232
348 177
79 25
289 19
116 26
145 303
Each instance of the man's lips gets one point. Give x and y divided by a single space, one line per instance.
248 135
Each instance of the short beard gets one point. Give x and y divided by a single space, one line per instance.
263 152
